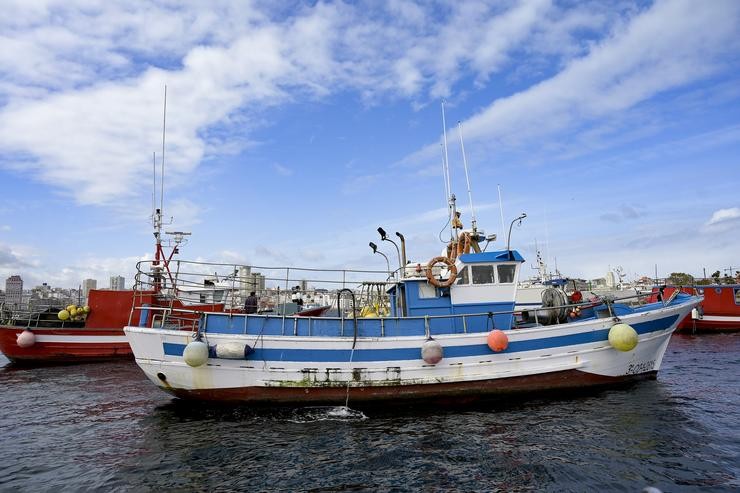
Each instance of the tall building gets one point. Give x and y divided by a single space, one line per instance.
610 281
244 273
13 290
257 282
117 283
87 285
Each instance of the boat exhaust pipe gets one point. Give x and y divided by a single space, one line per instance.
403 253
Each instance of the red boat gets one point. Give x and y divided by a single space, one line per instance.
43 338
34 337
719 312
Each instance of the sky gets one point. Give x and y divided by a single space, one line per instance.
295 129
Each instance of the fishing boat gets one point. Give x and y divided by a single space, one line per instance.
449 332
719 312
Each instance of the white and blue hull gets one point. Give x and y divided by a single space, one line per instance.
314 368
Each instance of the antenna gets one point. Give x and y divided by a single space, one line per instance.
444 145
154 183
467 178
444 174
501 209
164 128
451 199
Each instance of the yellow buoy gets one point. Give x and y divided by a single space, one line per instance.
623 337
73 311
69 308
86 309
63 315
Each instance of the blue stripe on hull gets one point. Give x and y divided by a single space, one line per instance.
400 354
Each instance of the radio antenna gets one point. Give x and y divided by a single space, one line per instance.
467 178
450 197
501 209
154 182
164 128
444 174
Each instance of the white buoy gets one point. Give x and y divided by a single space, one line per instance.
623 337
232 350
26 339
695 315
431 352
196 353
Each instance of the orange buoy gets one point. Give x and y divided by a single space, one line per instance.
497 340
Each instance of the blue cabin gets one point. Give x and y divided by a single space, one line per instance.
486 282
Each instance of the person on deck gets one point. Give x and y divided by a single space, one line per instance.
250 304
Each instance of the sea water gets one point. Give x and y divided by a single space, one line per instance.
106 427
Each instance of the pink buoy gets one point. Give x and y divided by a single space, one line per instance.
497 340
431 352
26 339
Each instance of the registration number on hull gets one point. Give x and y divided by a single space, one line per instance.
640 367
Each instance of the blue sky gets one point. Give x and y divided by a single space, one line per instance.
293 132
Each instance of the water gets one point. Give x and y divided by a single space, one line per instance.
104 427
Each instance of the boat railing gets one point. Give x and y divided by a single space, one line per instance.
193 282
34 314
185 318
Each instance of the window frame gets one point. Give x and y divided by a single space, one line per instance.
472 275
513 273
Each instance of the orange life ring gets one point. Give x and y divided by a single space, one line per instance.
450 266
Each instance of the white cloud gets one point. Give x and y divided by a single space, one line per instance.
82 85
724 215
619 72
282 170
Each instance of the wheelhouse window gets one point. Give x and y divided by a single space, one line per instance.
462 276
506 273
737 296
482 274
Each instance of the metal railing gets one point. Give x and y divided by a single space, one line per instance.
168 317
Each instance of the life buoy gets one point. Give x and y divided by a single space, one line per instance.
450 267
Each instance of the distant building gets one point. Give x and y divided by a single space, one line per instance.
117 283
87 285
13 290
257 282
244 273
303 285
610 281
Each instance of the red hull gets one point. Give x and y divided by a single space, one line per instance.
65 345
446 394
720 310
102 338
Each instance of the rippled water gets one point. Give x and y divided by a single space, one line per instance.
103 426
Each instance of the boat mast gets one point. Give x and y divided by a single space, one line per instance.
451 196
157 213
467 179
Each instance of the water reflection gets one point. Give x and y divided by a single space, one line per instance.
106 427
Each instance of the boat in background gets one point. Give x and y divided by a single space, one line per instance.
719 312
48 336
